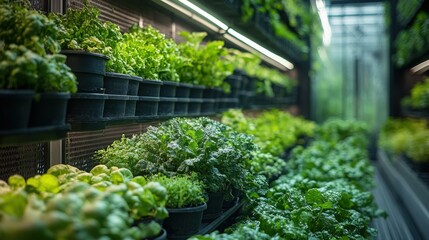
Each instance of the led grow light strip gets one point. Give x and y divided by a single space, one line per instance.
424 66
267 55
321 10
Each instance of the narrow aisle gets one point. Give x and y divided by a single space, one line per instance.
398 225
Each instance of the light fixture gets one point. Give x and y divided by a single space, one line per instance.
421 67
230 34
205 14
261 49
321 11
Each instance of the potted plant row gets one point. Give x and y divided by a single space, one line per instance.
35 84
204 149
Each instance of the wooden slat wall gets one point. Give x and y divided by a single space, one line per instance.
125 13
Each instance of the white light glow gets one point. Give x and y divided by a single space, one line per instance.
205 14
215 24
261 49
323 15
421 67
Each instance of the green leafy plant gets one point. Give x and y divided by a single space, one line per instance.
273 130
29 49
79 211
183 191
81 29
22 68
33 30
419 98
406 136
206 65
208 148
412 40
282 15
144 198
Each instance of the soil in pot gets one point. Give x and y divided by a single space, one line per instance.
183 222
49 109
149 88
214 206
15 107
115 83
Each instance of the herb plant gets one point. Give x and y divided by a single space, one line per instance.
206 65
45 207
183 191
29 51
150 53
419 98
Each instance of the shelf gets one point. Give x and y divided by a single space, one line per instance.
211 226
36 134
416 113
413 193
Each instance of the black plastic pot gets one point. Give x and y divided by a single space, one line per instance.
244 82
181 107
196 91
223 104
209 93
149 88
214 206
231 103
194 107
251 84
168 89
147 107
133 85
234 81
166 106
15 107
116 83
86 107
89 69
161 236
49 109
85 62
130 107
208 106
183 90
218 93
114 107
183 222
90 82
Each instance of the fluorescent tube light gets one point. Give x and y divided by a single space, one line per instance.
323 15
205 14
261 49
216 25
421 67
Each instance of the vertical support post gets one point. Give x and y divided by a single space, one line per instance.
55 152
356 87
56 6
304 87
